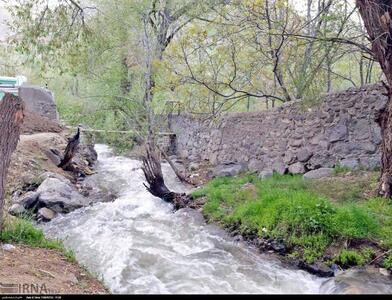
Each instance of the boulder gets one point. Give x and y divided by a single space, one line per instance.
228 169
266 174
319 173
16 210
40 101
47 175
28 200
60 196
297 168
349 163
46 214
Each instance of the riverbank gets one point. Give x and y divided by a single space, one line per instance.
26 256
32 264
321 226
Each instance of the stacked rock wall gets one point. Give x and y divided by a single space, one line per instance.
340 130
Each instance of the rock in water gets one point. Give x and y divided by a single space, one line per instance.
319 173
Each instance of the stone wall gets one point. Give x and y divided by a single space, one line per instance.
39 101
341 130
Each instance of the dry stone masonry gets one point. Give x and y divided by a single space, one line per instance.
340 131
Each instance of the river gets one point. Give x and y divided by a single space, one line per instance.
137 244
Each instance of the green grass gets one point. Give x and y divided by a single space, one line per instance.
388 261
22 231
350 258
340 169
290 208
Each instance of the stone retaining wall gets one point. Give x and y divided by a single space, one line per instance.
341 130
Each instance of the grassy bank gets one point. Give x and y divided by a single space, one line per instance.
334 220
23 232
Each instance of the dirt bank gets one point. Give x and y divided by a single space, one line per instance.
46 269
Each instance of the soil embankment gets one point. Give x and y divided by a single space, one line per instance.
36 270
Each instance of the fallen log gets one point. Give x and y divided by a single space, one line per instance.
12 115
70 151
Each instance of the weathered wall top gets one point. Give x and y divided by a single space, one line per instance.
341 130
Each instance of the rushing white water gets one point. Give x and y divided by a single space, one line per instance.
137 244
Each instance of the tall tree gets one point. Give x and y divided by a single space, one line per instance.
11 113
376 15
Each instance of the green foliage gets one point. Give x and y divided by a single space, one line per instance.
286 208
387 263
22 231
368 254
381 209
350 258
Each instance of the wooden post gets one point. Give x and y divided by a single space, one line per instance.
11 119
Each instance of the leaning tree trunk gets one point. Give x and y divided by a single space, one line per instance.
156 185
376 15
11 114
70 152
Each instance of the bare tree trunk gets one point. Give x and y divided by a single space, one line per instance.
156 185
376 15
11 113
70 151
